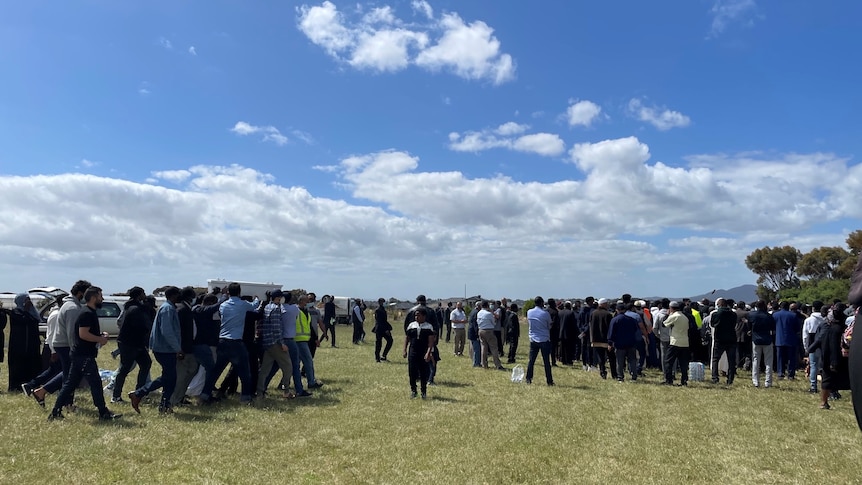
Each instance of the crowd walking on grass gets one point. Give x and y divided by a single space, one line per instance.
194 335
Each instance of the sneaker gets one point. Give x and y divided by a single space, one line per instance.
304 394
756 384
135 400
109 416
412 394
432 383
27 388
316 385
117 399
813 390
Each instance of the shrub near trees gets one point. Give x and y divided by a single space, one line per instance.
820 274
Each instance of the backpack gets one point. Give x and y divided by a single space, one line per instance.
846 339
518 374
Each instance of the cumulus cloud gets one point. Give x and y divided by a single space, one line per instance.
377 40
726 12
582 113
270 133
660 117
193 51
602 216
507 136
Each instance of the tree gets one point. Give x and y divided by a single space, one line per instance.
823 263
854 242
775 268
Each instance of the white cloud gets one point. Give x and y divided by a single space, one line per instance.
725 12
88 163
303 136
165 43
660 117
270 133
193 51
381 42
582 113
506 136
600 217
423 7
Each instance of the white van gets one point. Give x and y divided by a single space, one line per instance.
249 288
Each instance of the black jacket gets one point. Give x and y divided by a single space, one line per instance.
137 323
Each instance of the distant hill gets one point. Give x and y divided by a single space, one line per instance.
746 293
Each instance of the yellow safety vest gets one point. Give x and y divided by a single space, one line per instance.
303 327
697 318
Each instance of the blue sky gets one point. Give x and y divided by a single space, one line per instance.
391 148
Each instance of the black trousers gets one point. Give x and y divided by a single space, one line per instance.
499 335
82 368
719 348
379 342
513 349
601 358
418 369
677 356
358 332
128 357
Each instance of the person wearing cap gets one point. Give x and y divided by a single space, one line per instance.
723 323
382 331
600 322
622 338
274 344
678 350
539 333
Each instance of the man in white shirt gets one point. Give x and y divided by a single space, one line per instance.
459 324
809 329
486 322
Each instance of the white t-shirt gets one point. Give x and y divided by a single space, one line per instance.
457 316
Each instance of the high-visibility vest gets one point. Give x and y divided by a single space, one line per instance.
697 318
303 327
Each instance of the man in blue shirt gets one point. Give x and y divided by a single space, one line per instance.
231 348
786 338
622 337
165 344
540 339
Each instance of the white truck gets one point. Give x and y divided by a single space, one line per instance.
249 288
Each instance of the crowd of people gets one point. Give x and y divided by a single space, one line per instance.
202 333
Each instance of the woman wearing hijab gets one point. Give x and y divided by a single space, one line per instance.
25 361
855 361
834 369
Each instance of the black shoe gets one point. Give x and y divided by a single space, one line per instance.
27 388
715 380
551 383
424 395
666 383
502 368
117 399
56 415
412 394
812 390
528 381
304 394
316 385
166 410
683 384
109 416
384 359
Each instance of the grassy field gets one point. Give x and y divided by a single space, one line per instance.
476 427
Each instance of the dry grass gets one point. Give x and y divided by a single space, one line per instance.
476 427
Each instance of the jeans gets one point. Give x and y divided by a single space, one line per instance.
813 367
677 356
719 348
56 383
787 360
763 352
54 369
477 352
307 362
379 343
128 357
82 368
167 381
293 349
545 348
235 353
627 355
205 356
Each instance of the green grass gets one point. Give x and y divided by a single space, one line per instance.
476 427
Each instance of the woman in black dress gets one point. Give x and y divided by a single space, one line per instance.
418 347
25 361
835 371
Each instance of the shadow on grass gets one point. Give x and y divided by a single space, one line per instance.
453 384
443 399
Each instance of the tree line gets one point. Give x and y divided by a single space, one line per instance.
823 273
